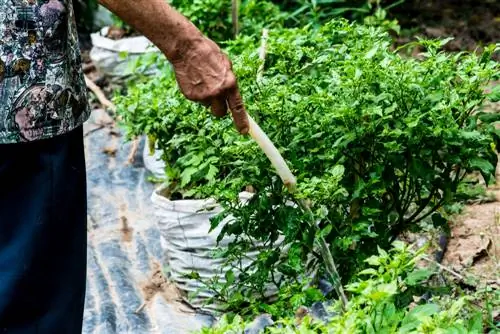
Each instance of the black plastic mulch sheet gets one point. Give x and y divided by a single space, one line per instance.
124 245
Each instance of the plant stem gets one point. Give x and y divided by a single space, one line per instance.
330 265
262 53
235 16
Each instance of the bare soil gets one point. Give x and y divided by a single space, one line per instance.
472 24
159 285
474 246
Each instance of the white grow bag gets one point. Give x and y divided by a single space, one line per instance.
188 245
106 53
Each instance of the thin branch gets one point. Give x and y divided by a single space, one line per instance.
406 190
399 227
133 151
100 95
448 270
235 16
437 206
330 265
423 206
262 53
408 201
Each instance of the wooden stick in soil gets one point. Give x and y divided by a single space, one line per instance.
290 182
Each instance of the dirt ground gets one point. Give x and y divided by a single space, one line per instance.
474 246
471 23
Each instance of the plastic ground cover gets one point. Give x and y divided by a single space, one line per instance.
125 254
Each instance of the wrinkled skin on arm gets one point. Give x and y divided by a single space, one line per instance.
203 72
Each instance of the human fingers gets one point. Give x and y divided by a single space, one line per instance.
237 107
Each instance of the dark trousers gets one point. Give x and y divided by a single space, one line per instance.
43 236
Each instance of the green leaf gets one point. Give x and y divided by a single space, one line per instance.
123 55
476 323
212 172
484 166
326 231
186 175
419 312
471 135
372 52
383 291
489 117
338 171
417 276
189 193
230 277
390 314
382 252
358 73
373 260
494 95
369 271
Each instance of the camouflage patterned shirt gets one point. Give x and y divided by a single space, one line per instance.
42 88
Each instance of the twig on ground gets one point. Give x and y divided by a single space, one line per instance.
88 67
448 270
133 151
100 95
140 308
88 133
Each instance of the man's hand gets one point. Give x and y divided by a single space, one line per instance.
204 73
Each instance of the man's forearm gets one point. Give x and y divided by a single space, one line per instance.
169 30
203 71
